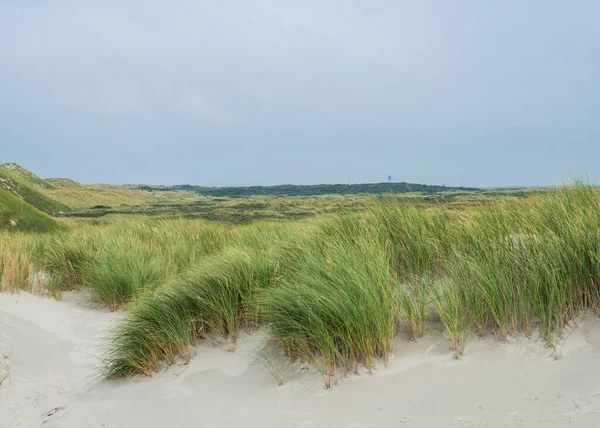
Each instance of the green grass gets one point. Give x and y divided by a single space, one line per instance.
226 288
122 270
455 314
30 188
25 176
533 264
128 256
412 305
156 329
18 215
216 297
334 289
417 237
336 306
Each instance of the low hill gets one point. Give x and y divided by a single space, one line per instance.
16 214
311 190
24 176
29 187
59 183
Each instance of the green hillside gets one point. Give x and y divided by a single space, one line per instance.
28 187
16 214
25 176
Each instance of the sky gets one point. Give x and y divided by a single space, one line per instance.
261 92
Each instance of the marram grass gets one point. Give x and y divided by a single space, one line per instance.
336 307
332 290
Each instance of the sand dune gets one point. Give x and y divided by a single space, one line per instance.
52 347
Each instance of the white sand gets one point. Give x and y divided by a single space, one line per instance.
51 346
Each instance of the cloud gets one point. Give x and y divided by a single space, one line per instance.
219 78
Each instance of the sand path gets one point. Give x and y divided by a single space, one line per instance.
52 346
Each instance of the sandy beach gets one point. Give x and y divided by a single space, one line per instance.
52 347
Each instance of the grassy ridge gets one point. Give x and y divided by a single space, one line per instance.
335 289
25 176
16 214
29 187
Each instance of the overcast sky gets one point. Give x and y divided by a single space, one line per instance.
474 93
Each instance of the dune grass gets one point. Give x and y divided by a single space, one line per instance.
214 298
122 270
416 237
218 295
336 308
20 264
413 302
17 215
335 293
332 290
129 256
15 263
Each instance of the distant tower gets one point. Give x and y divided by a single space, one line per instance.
389 178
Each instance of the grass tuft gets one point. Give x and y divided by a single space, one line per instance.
336 307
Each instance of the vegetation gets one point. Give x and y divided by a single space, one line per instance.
30 188
66 197
310 190
95 201
16 214
333 289
335 308
179 204
23 175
